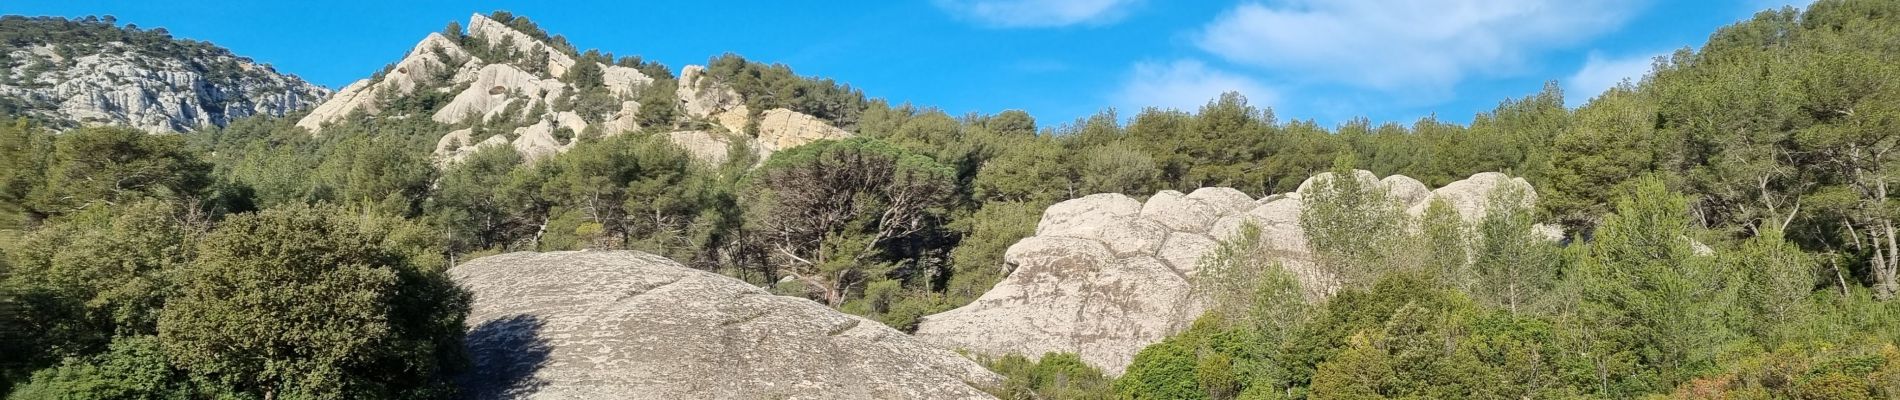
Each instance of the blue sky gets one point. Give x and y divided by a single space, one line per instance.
1327 60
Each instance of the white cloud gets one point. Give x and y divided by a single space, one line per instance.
1185 85
1601 73
1039 13
1403 44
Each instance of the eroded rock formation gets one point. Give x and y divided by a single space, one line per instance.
1106 275
530 100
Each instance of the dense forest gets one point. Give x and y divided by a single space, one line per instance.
1729 235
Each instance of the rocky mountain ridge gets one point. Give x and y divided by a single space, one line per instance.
91 72
529 94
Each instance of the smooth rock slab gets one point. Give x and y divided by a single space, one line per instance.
631 325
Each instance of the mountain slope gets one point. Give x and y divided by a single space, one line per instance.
93 72
503 82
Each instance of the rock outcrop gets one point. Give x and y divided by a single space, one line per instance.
706 98
524 98
782 129
778 129
631 325
158 87
534 104
434 56
1106 275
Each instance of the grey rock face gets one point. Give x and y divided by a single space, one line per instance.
631 325
1106 275
115 84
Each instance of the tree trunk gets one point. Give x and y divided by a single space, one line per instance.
1888 249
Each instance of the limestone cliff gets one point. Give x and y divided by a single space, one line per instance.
89 72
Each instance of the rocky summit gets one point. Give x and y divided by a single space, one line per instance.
1106 275
92 72
518 90
631 325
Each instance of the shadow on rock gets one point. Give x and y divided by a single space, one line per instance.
506 352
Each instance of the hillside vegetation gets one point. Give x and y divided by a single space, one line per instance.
1728 232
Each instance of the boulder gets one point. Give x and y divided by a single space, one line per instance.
631 325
